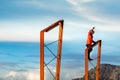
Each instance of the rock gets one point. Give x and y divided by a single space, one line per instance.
107 72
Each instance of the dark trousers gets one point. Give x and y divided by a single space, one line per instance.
89 46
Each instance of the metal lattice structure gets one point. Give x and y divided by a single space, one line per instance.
59 49
97 64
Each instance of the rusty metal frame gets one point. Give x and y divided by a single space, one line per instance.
98 61
58 62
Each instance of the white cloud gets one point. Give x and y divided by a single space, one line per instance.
94 13
65 73
34 3
25 30
28 75
39 4
28 30
85 11
33 75
87 0
69 74
77 2
12 73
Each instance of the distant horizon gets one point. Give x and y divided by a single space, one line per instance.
22 20
70 59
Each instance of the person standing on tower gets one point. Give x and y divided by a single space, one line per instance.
90 42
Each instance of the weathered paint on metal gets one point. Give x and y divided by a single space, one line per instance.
97 64
58 63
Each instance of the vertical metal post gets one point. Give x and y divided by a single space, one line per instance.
98 61
42 55
86 64
58 63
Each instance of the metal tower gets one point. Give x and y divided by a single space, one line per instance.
58 62
98 61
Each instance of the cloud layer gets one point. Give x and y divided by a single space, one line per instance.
99 12
14 75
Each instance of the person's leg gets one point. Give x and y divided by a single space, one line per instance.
89 50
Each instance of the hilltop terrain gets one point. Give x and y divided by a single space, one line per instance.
107 72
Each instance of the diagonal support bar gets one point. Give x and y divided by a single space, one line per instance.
97 64
58 63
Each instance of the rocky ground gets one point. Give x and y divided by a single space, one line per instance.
107 72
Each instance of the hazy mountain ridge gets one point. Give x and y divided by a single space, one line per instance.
107 72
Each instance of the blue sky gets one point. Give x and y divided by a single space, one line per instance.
22 20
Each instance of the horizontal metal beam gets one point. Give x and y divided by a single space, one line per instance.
58 61
52 26
99 41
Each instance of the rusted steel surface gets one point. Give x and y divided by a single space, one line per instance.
86 64
41 55
98 61
96 43
58 63
52 26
